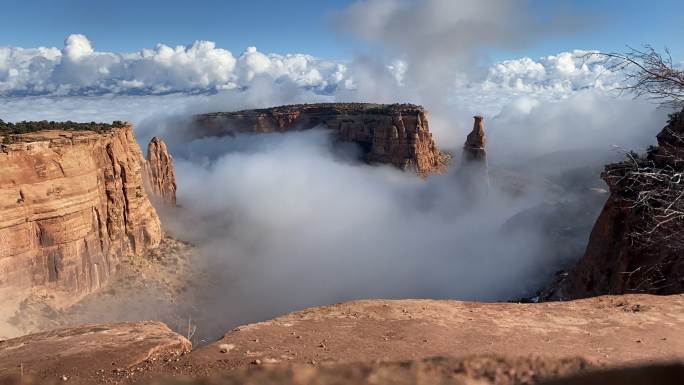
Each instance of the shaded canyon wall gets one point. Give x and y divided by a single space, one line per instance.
637 243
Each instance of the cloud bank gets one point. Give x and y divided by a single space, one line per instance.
78 70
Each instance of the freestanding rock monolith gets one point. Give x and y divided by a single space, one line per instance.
474 160
161 173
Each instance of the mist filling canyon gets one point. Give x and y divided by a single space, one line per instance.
381 201
285 221
279 221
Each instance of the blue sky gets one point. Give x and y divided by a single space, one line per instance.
304 26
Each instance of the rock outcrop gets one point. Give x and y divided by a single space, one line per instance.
160 172
90 353
602 330
637 243
396 134
72 203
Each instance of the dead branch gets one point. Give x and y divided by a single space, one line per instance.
647 73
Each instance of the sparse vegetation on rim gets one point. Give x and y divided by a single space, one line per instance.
367 108
24 127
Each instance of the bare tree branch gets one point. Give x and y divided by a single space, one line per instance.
647 73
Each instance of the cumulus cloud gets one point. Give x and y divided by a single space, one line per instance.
77 46
561 73
78 69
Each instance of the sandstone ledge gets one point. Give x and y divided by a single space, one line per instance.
89 351
493 343
603 330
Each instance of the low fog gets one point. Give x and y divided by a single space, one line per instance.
288 221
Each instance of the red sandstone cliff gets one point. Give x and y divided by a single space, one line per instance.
397 134
161 175
72 203
637 244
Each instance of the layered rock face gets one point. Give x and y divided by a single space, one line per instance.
397 134
637 244
160 171
72 203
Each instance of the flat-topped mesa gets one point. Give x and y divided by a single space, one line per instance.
161 173
396 134
72 204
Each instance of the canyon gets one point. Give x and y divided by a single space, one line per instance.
73 203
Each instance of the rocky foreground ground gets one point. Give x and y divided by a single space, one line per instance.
373 341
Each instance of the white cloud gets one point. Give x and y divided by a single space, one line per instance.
78 69
76 47
561 73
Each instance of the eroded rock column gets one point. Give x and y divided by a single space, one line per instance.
161 173
474 159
